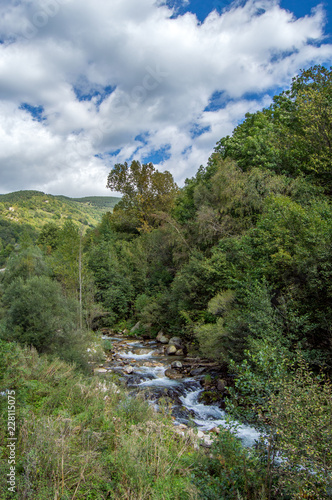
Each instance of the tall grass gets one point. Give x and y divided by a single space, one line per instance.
83 437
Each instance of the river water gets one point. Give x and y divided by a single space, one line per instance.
148 365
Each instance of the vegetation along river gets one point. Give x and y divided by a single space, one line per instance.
179 380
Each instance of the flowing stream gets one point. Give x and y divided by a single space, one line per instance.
142 366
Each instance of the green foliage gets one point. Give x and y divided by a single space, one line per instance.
231 472
293 406
198 281
213 337
33 209
11 235
301 414
49 236
25 264
80 437
38 314
293 135
146 192
114 289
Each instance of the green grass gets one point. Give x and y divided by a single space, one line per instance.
82 437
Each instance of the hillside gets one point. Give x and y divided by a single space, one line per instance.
26 212
36 208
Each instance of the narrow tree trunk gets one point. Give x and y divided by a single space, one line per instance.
80 280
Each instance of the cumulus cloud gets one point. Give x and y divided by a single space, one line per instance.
126 79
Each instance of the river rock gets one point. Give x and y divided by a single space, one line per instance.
182 426
197 371
136 327
171 349
176 341
179 352
221 385
173 374
207 442
129 369
176 365
134 381
162 338
100 370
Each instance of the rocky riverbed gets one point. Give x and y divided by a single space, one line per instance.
193 388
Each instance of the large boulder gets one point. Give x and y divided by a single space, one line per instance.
177 342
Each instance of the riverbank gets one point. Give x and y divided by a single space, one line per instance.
194 389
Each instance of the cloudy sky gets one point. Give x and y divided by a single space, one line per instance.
87 84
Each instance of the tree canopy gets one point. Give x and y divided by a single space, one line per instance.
147 193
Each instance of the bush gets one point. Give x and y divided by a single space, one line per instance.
232 472
38 314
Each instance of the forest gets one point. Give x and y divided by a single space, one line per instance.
237 263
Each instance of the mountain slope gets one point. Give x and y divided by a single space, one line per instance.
36 208
24 213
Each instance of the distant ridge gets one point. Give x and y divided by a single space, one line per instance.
24 213
103 202
36 208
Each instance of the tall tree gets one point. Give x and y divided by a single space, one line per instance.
146 193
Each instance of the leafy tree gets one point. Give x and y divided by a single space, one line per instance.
314 110
25 264
114 289
292 136
37 313
146 191
48 237
65 260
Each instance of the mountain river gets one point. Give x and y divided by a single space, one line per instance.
141 364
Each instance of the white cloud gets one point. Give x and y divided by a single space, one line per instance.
163 72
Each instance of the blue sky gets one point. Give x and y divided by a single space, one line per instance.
84 85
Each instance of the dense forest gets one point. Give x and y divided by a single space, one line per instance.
238 264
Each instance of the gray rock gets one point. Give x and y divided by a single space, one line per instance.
197 371
136 327
158 352
171 349
176 341
173 374
128 370
179 352
176 365
163 339
221 385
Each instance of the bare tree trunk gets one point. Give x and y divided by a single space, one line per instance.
80 280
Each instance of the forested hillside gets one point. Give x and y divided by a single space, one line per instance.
237 263
241 254
26 212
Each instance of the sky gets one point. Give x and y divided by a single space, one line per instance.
88 84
